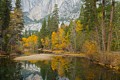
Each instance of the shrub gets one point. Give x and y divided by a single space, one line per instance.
90 48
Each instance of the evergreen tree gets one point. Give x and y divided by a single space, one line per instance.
98 16
55 19
25 34
43 29
48 27
43 33
116 37
11 24
20 22
15 26
18 2
5 8
87 15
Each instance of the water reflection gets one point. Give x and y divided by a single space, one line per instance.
9 70
30 71
85 70
59 68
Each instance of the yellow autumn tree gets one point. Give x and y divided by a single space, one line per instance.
43 42
46 42
33 39
78 26
55 41
30 42
90 47
25 43
59 39
64 39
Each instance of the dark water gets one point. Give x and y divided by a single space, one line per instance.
60 68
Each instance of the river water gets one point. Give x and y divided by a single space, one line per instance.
59 68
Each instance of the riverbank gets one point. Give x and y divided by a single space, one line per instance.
108 60
82 67
105 60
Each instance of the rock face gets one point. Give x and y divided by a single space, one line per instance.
38 9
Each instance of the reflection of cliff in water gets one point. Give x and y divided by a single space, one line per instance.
30 72
39 71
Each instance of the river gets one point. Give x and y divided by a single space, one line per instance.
59 68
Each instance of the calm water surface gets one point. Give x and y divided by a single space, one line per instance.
59 68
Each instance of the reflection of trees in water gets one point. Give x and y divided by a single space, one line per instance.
83 69
59 68
9 70
46 71
61 65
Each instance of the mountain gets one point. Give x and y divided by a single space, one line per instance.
69 9
27 20
39 9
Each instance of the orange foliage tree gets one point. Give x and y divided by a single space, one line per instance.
90 47
46 42
30 42
59 39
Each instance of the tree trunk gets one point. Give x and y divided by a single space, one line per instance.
96 26
103 27
110 27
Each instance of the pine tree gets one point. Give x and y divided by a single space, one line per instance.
5 8
11 24
43 29
55 19
15 26
48 27
87 15
18 6
20 22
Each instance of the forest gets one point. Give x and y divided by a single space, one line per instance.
94 34
95 31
